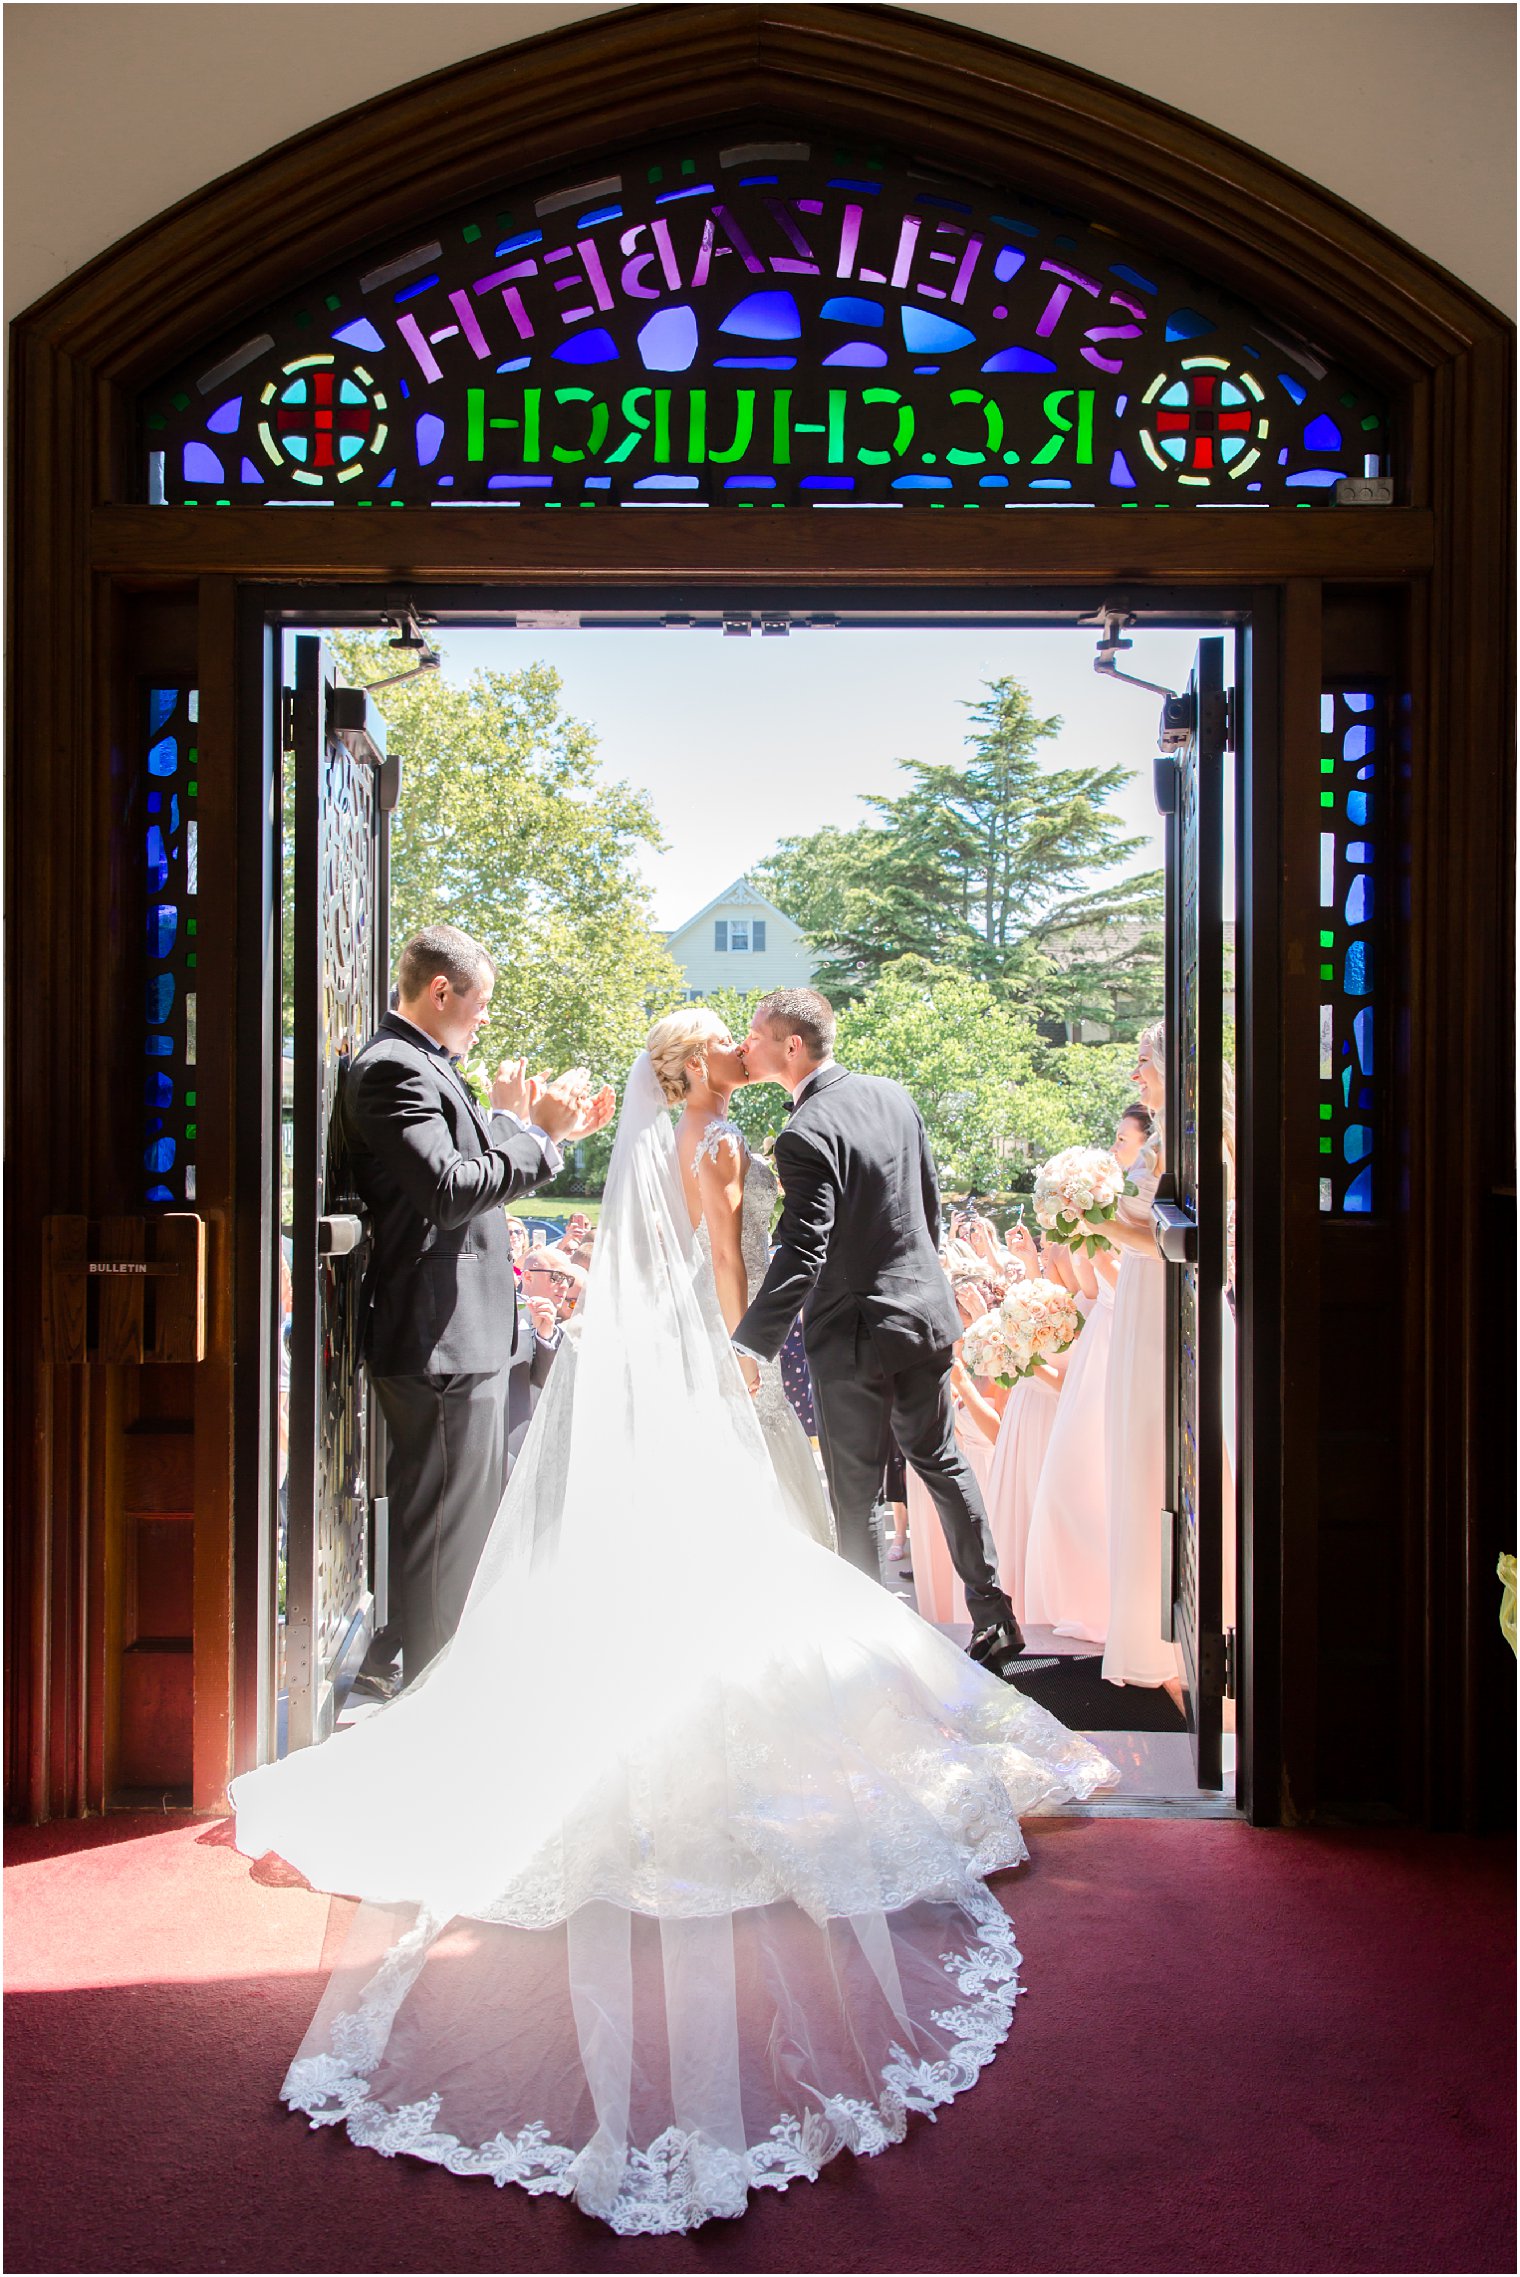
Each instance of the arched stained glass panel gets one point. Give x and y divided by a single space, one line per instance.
671 335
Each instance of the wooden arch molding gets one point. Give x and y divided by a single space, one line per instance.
974 106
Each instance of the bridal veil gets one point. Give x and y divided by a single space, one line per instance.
674 1861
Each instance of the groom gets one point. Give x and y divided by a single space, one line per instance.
858 1251
440 1295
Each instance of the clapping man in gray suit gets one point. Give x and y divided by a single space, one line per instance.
433 1168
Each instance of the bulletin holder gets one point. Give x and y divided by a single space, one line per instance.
124 1291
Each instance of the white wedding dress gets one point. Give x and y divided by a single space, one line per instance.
674 1861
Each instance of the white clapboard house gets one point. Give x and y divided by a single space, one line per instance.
740 940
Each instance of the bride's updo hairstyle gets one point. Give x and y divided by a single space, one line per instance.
671 1042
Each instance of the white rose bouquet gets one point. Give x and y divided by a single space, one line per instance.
1076 1193
1036 1322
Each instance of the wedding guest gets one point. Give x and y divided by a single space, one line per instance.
539 1336
1134 1412
894 1494
1066 1577
936 1585
1018 1455
517 1244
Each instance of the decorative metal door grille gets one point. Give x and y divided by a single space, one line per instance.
338 979
1195 1278
762 323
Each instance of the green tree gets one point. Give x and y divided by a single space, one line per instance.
995 1101
509 827
1001 867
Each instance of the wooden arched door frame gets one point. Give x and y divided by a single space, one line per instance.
973 106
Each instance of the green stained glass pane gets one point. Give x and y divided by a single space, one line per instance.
470 232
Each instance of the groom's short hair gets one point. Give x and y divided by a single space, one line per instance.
801 1012
441 949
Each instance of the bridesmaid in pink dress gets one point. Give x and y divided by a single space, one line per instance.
1134 1418
936 1584
1066 1584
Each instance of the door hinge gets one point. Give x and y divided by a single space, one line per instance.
297 1654
1216 1663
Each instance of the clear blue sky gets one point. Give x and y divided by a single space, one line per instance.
741 742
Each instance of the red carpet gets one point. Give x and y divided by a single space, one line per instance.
1239 2051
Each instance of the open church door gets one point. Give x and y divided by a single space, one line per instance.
1196 731
345 788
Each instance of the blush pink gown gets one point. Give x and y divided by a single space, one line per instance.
936 1583
1135 1459
1066 1564
1013 1480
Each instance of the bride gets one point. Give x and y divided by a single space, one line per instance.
674 1861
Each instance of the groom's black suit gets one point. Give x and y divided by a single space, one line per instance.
858 1251
440 1299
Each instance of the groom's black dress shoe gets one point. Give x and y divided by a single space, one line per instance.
376 1684
997 1648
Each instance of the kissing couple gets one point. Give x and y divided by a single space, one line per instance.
674 1857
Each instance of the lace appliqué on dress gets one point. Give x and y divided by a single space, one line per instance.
682 2179
719 1132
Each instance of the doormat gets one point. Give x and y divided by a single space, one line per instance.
1072 1688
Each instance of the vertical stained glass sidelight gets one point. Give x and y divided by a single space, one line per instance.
1353 790
170 788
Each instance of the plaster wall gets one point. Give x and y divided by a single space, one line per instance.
115 112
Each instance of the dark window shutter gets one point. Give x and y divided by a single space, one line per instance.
720 932
759 936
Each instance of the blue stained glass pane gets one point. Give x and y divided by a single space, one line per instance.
1322 434
1008 263
1359 850
1119 474
1359 901
1364 1099
1361 701
845 309
1314 478
668 482
297 445
160 1194
594 347
1326 715
1018 360
159 1157
349 447
360 334
515 364
1187 324
163 756
754 363
224 419
1231 446
765 316
158 1047
386 480
923 482
602 213
668 342
1298 393
750 482
248 472
992 482
1365 774
1359 808
858 352
1358 1142
173 812
1361 1028
1132 277
202 464
1176 396
158 860
161 703
1346 1086
163 927
159 997
925 334
1359 969
1357 743
350 392
158 1090
1359 1192
828 482
155 801
1175 447
516 244
430 432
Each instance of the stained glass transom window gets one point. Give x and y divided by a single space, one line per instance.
1353 791
760 324
170 768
